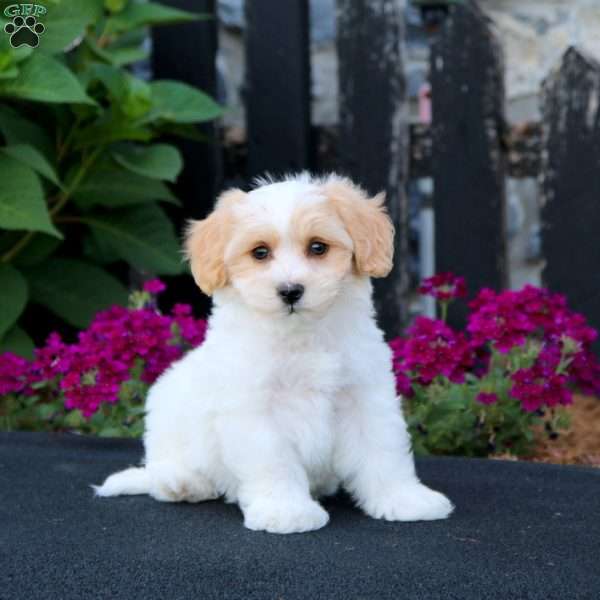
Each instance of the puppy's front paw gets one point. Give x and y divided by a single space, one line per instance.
412 502
285 516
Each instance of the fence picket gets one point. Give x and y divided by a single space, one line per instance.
277 90
468 161
374 127
571 182
187 52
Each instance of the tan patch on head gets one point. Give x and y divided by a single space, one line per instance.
239 259
320 222
206 240
367 223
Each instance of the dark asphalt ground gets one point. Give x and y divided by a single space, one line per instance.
520 531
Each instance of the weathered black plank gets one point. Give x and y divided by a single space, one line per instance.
374 127
187 53
570 182
468 161
277 86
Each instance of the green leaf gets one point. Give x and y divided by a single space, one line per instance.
14 297
74 290
181 103
118 56
111 128
31 157
187 131
97 251
112 186
37 250
22 202
45 411
115 6
126 56
17 342
45 79
131 95
110 431
74 419
138 15
137 98
135 37
17 129
160 161
66 21
143 236
9 73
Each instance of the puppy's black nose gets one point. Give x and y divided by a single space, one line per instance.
290 293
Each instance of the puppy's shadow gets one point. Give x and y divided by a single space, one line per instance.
341 507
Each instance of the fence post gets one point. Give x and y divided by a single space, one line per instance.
467 157
374 128
277 90
187 52
570 182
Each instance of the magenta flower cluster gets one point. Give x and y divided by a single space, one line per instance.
430 349
92 370
444 287
542 347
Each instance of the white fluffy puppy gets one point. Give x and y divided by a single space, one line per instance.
292 394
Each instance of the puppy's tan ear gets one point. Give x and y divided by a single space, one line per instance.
368 224
205 243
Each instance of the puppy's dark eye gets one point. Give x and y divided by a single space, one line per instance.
317 248
261 252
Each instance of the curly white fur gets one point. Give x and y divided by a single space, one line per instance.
280 407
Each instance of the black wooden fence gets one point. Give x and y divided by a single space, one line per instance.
468 151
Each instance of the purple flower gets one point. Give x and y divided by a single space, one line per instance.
14 373
534 319
542 384
510 318
192 330
444 287
499 318
432 348
154 286
487 398
584 372
91 371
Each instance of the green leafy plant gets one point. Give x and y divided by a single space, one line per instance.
83 172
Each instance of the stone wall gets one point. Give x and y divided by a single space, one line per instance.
535 33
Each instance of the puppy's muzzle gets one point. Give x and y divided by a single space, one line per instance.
290 293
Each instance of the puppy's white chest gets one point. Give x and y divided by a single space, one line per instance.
305 373
302 403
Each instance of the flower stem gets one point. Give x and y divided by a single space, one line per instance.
444 311
20 244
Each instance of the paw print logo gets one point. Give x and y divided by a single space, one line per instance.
24 32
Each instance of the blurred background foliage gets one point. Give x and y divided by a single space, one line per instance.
84 174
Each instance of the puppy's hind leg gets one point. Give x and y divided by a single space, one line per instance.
171 482
164 481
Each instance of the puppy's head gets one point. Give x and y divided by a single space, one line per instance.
290 247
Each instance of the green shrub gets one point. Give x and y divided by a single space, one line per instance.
82 175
